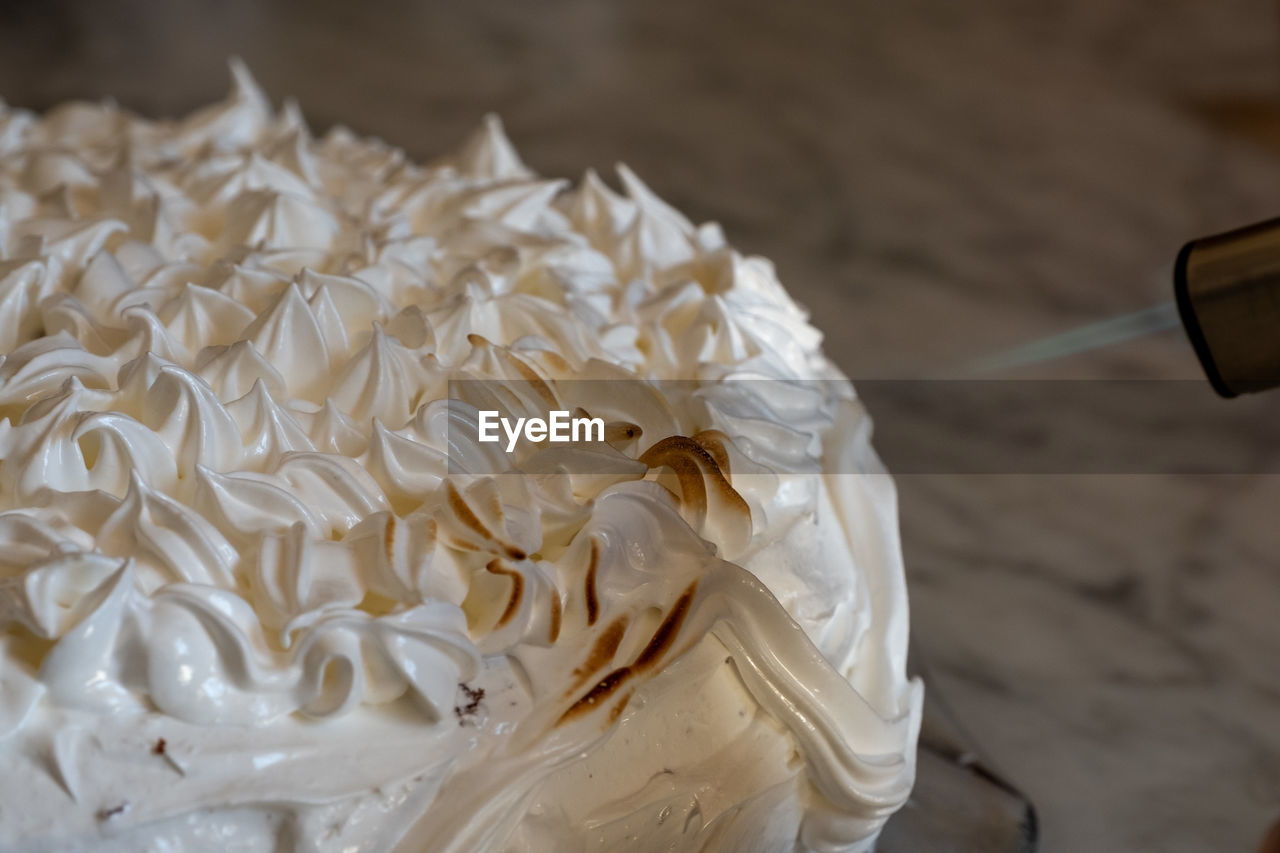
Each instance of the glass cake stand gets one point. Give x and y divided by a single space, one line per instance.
959 804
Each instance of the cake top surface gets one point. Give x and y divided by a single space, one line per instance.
244 501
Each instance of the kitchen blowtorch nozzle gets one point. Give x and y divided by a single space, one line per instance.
1227 287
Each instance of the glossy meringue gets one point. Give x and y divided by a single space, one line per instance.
262 589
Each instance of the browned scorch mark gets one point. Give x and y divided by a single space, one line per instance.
713 441
615 432
517 590
495 504
468 518
556 361
663 638
593 603
616 711
601 653
538 384
463 511
389 539
659 644
554 633
690 462
603 689
620 432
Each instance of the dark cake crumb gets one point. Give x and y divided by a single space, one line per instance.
474 697
107 814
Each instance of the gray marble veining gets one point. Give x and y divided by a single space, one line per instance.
935 181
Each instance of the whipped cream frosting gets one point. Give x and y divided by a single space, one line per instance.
261 589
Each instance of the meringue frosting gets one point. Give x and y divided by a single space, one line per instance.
262 589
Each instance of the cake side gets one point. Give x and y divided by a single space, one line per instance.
263 587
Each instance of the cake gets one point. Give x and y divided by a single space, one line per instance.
266 585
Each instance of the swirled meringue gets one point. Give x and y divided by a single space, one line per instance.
263 588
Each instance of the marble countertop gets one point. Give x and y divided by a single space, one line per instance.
935 181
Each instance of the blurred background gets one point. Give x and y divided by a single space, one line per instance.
935 181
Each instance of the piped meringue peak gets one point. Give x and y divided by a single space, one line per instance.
264 586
